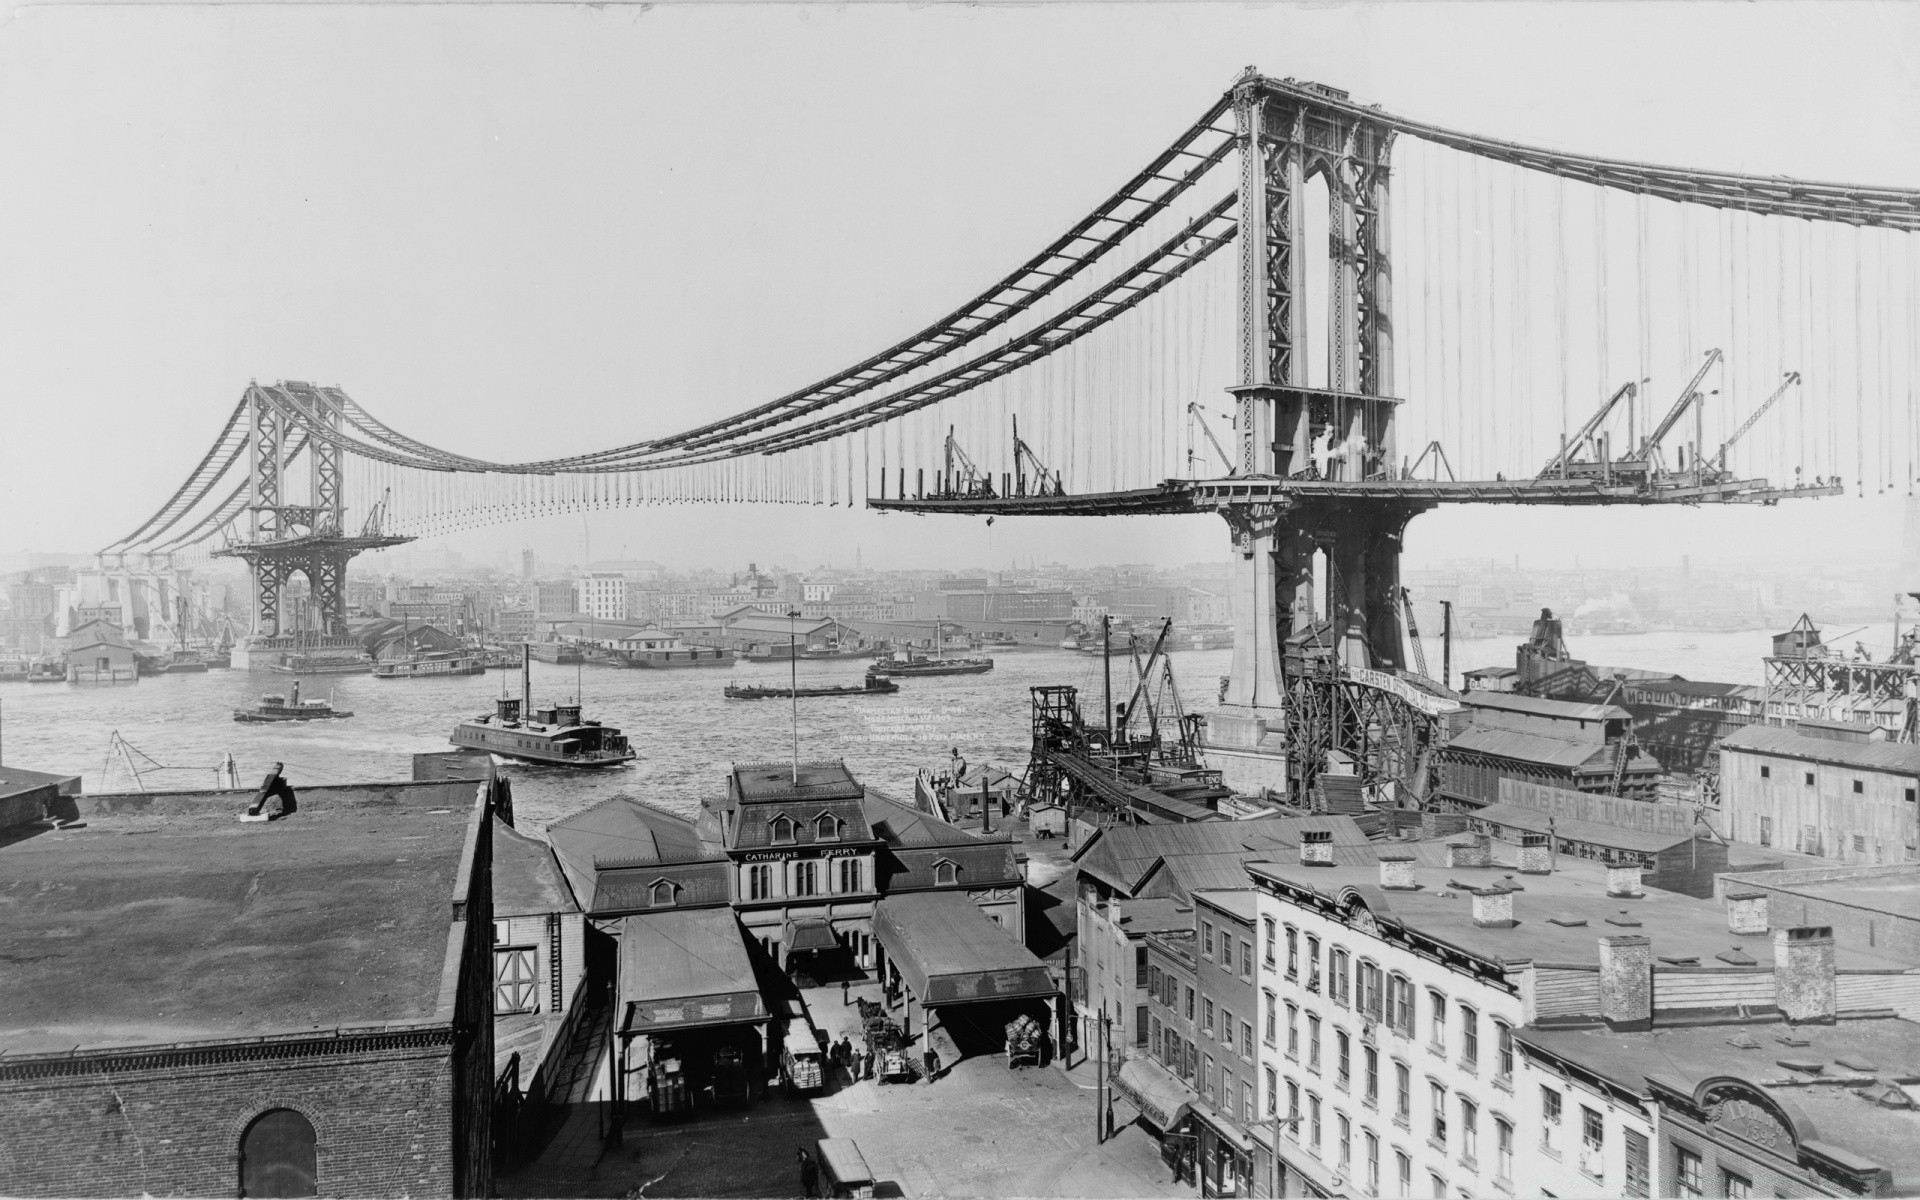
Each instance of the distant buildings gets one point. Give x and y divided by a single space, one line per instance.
97 652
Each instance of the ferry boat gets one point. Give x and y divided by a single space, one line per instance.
555 734
874 685
559 653
439 664
662 651
275 707
304 664
918 664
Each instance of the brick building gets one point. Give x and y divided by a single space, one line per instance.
297 1007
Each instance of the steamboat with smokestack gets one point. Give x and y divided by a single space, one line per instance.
552 735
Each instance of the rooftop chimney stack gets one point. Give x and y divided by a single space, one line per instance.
1803 974
1316 848
1396 872
1623 882
1747 913
1493 908
1469 850
1626 982
1533 855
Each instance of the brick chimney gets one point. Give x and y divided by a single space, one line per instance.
1396 872
1533 855
1493 908
1626 981
1803 974
1623 882
1747 913
1316 848
1469 850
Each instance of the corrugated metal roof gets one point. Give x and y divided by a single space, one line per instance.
1525 747
1899 757
526 876
684 955
1566 710
1593 833
1209 854
949 951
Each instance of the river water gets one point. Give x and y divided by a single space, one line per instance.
685 731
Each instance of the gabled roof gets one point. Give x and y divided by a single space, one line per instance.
622 831
1526 747
1537 706
1593 833
1899 757
900 826
527 878
1208 854
96 633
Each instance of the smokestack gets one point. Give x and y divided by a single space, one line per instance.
1396 872
1747 913
1469 850
1803 974
1533 855
1493 907
1623 883
1316 848
1626 982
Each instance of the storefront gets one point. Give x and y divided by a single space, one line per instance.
692 1022
1225 1153
1165 1105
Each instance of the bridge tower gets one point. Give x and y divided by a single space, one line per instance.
287 421
1285 626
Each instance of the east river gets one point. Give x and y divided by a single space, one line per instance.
685 731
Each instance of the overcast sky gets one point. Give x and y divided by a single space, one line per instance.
525 231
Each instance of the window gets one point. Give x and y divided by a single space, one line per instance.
1502 1149
1343 1141
1809 778
806 878
847 872
1469 1038
1436 1186
1246 1102
1313 1125
1293 1109
1858 787
516 989
1313 1043
826 828
782 831
1550 1119
1246 1039
1593 1134
1469 1131
1206 1023
1404 1168
1139 966
1189 1003
1910 795
1369 990
1400 1005
1293 953
1766 831
1735 1187
1140 1025
1687 1175
1342 1063
1313 963
1246 960
1438 1021
1638 1175
662 893
278 1156
1266 939
1155 1045
1503 1038
1766 772
1337 977
1206 939
1439 1134
1207 1079
1226 1027
1272 1025
1373 1162
1402 1093
1293 1032
945 874
1273 1092
1226 1088
1371 1093
760 881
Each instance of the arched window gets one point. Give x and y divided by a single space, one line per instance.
826 828
663 890
277 1155
945 873
782 831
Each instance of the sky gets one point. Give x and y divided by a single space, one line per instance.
522 231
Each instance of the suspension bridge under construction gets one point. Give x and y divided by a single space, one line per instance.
1308 315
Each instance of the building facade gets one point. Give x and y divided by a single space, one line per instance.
1849 795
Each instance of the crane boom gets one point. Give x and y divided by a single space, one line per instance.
1023 457
1792 378
1687 396
1226 460
1413 632
1589 429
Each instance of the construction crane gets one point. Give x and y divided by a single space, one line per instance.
1226 460
967 481
1791 379
1689 396
1587 431
1413 633
1046 483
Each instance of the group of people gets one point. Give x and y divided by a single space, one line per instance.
856 1064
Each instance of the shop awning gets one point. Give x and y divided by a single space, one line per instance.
1162 1099
949 952
809 933
680 969
1224 1125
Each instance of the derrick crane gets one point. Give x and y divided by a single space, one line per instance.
1413 632
1226 460
1046 483
967 480
1587 431
1689 396
1791 379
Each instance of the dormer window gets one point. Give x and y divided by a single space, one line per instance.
826 828
945 873
782 831
663 893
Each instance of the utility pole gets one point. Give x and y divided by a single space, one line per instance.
793 690
1446 644
1106 670
1103 1117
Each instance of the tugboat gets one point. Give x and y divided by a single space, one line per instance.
439 664
874 685
275 707
554 735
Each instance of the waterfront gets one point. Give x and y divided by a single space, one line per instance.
685 731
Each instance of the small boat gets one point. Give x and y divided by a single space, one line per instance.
920 665
874 685
552 735
275 707
46 672
302 664
422 666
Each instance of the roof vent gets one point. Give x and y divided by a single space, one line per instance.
1743 1041
1736 957
1624 919
1566 920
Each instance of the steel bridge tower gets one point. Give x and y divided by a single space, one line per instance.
284 538
1281 625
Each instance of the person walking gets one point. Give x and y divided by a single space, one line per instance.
809 1173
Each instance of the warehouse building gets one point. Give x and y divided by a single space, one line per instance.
1829 788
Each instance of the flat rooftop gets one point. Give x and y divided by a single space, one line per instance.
162 918
1894 892
1560 917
